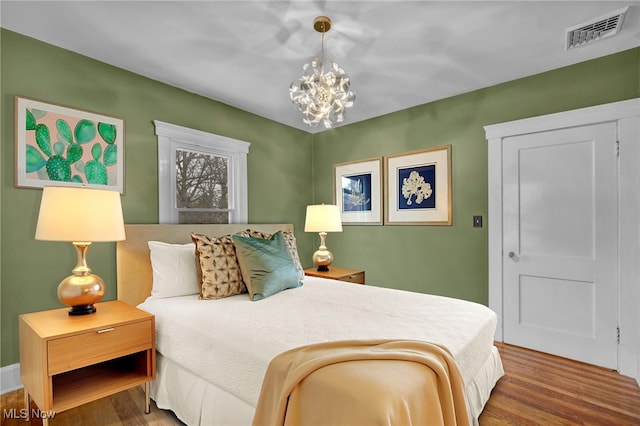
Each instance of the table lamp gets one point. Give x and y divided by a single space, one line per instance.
80 215
323 218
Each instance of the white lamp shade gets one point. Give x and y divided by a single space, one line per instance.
79 214
323 218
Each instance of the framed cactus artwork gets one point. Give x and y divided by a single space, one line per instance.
418 187
58 145
358 191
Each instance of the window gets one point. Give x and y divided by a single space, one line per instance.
202 177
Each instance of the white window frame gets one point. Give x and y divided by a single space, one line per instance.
172 137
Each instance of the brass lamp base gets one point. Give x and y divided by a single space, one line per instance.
323 257
81 292
82 289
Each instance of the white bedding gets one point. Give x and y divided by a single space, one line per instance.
230 342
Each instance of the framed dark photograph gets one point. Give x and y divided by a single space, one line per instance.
418 187
358 191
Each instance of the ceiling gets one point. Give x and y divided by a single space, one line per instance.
398 54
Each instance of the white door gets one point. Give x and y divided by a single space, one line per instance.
560 242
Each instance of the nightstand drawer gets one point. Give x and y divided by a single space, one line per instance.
357 278
81 350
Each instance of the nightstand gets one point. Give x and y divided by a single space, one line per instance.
341 274
67 361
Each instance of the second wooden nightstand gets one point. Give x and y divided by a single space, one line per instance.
341 274
66 361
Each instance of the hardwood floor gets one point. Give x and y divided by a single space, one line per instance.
537 389
124 408
542 389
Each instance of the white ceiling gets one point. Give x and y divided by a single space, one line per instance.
399 54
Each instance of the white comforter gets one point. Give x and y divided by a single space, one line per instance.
230 342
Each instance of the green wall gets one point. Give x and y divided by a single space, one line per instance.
453 261
279 175
442 260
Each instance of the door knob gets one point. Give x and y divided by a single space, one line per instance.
512 254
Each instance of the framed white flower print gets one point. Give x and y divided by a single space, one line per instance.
418 187
358 191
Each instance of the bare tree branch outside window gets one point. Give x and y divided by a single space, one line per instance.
201 187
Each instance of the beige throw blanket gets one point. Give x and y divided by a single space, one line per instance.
381 382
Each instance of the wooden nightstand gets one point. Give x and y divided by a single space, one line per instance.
67 361
341 274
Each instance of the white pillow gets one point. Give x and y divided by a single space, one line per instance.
174 269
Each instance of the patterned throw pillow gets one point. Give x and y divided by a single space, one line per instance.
289 239
217 265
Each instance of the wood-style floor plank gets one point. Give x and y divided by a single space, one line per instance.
124 408
537 389
542 389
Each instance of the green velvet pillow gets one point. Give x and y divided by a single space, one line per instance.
266 264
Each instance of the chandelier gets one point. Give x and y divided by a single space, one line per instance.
322 92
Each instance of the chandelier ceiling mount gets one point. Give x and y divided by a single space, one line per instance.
322 24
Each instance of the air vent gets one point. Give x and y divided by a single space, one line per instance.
596 29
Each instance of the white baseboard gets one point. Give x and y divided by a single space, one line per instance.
10 378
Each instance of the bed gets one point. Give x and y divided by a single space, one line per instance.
212 355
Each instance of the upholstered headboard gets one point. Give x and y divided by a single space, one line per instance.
134 273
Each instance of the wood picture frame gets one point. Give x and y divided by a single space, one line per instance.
63 146
418 187
358 191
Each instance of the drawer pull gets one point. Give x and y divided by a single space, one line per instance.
105 330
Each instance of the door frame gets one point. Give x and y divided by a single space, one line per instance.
627 116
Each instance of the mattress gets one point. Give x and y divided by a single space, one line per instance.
228 343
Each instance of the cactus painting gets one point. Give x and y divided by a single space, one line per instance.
56 145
